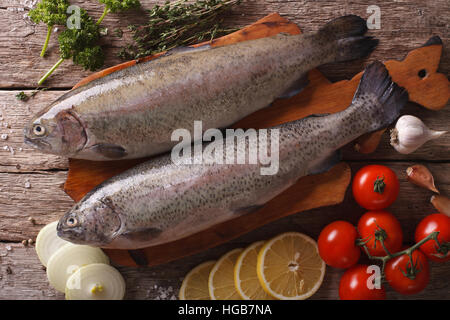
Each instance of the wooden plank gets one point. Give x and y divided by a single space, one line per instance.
15 114
409 23
23 196
22 277
46 202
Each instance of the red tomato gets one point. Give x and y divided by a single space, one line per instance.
375 187
337 245
434 222
354 286
369 225
399 282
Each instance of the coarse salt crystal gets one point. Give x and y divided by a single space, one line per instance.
27 184
4 136
8 248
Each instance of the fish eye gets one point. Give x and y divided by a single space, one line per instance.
38 130
72 222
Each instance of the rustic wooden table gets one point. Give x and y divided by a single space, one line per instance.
30 182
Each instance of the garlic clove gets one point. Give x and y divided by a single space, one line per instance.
441 203
410 133
421 176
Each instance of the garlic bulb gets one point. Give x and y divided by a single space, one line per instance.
410 133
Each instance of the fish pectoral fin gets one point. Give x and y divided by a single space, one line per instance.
108 150
245 210
142 235
296 87
327 163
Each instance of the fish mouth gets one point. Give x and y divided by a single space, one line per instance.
69 234
37 144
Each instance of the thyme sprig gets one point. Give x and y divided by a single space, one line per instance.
178 23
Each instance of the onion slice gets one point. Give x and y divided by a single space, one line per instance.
67 259
95 281
48 242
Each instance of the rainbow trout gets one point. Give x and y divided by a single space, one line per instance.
159 201
132 113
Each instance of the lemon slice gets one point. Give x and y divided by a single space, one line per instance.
47 242
289 267
245 276
195 284
67 259
96 281
221 278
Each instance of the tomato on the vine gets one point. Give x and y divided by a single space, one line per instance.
374 225
401 277
354 285
434 222
337 245
375 187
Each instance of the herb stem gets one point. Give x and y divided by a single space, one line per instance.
178 23
49 72
105 12
47 39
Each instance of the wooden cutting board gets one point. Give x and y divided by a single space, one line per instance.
417 73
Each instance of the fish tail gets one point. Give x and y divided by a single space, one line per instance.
347 33
378 99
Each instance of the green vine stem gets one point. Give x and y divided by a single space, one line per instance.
409 251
